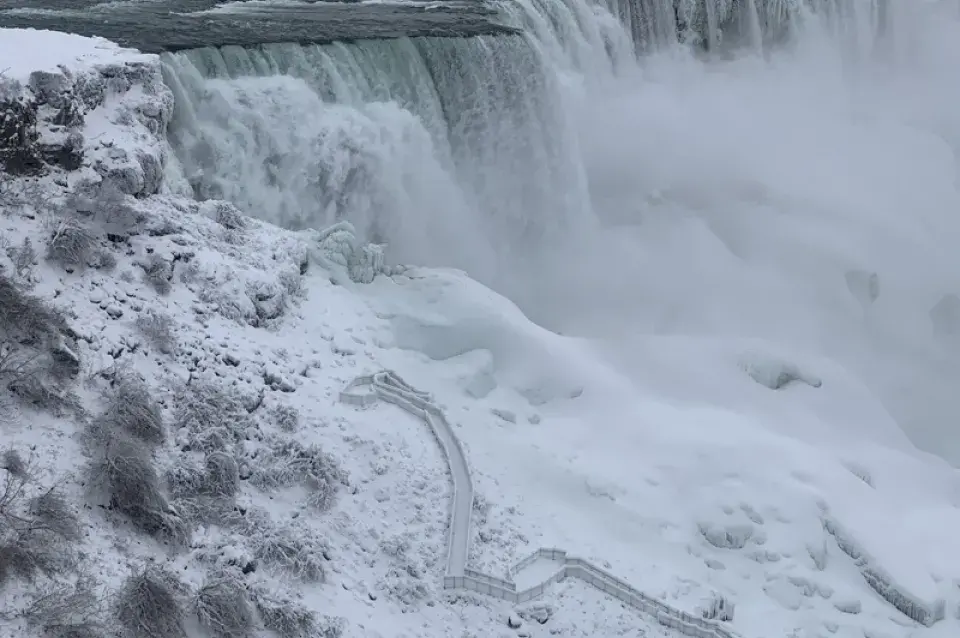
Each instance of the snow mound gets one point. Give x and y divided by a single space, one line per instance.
25 51
446 316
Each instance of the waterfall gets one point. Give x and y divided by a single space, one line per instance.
453 151
752 19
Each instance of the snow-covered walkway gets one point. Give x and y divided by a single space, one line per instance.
388 386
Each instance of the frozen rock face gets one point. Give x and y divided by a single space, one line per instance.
109 117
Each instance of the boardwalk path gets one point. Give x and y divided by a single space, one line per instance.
387 386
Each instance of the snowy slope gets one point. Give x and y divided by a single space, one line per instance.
725 468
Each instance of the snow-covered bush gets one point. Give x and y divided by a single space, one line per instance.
34 353
408 588
151 604
222 475
223 606
104 203
269 300
157 272
44 394
228 215
285 417
26 318
71 243
291 281
289 462
103 260
23 258
290 548
284 615
159 329
51 511
131 408
212 417
37 525
134 489
66 610
204 493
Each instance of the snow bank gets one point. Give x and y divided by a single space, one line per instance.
26 51
444 315
898 577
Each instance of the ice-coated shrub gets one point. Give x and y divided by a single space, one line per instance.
82 630
36 360
289 548
134 488
37 525
283 614
218 477
44 394
13 463
132 409
223 606
53 512
728 536
159 329
406 586
285 417
291 281
106 205
66 610
204 493
33 346
71 243
26 319
185 479
289 462
229 297
157 272
213 415
103 260
209 510
229 216
222 475
150 604
269 301
23 258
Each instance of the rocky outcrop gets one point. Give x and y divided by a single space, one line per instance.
111 118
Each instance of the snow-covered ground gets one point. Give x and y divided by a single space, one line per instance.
747 467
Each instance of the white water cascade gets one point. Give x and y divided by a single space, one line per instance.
633 168
454 151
